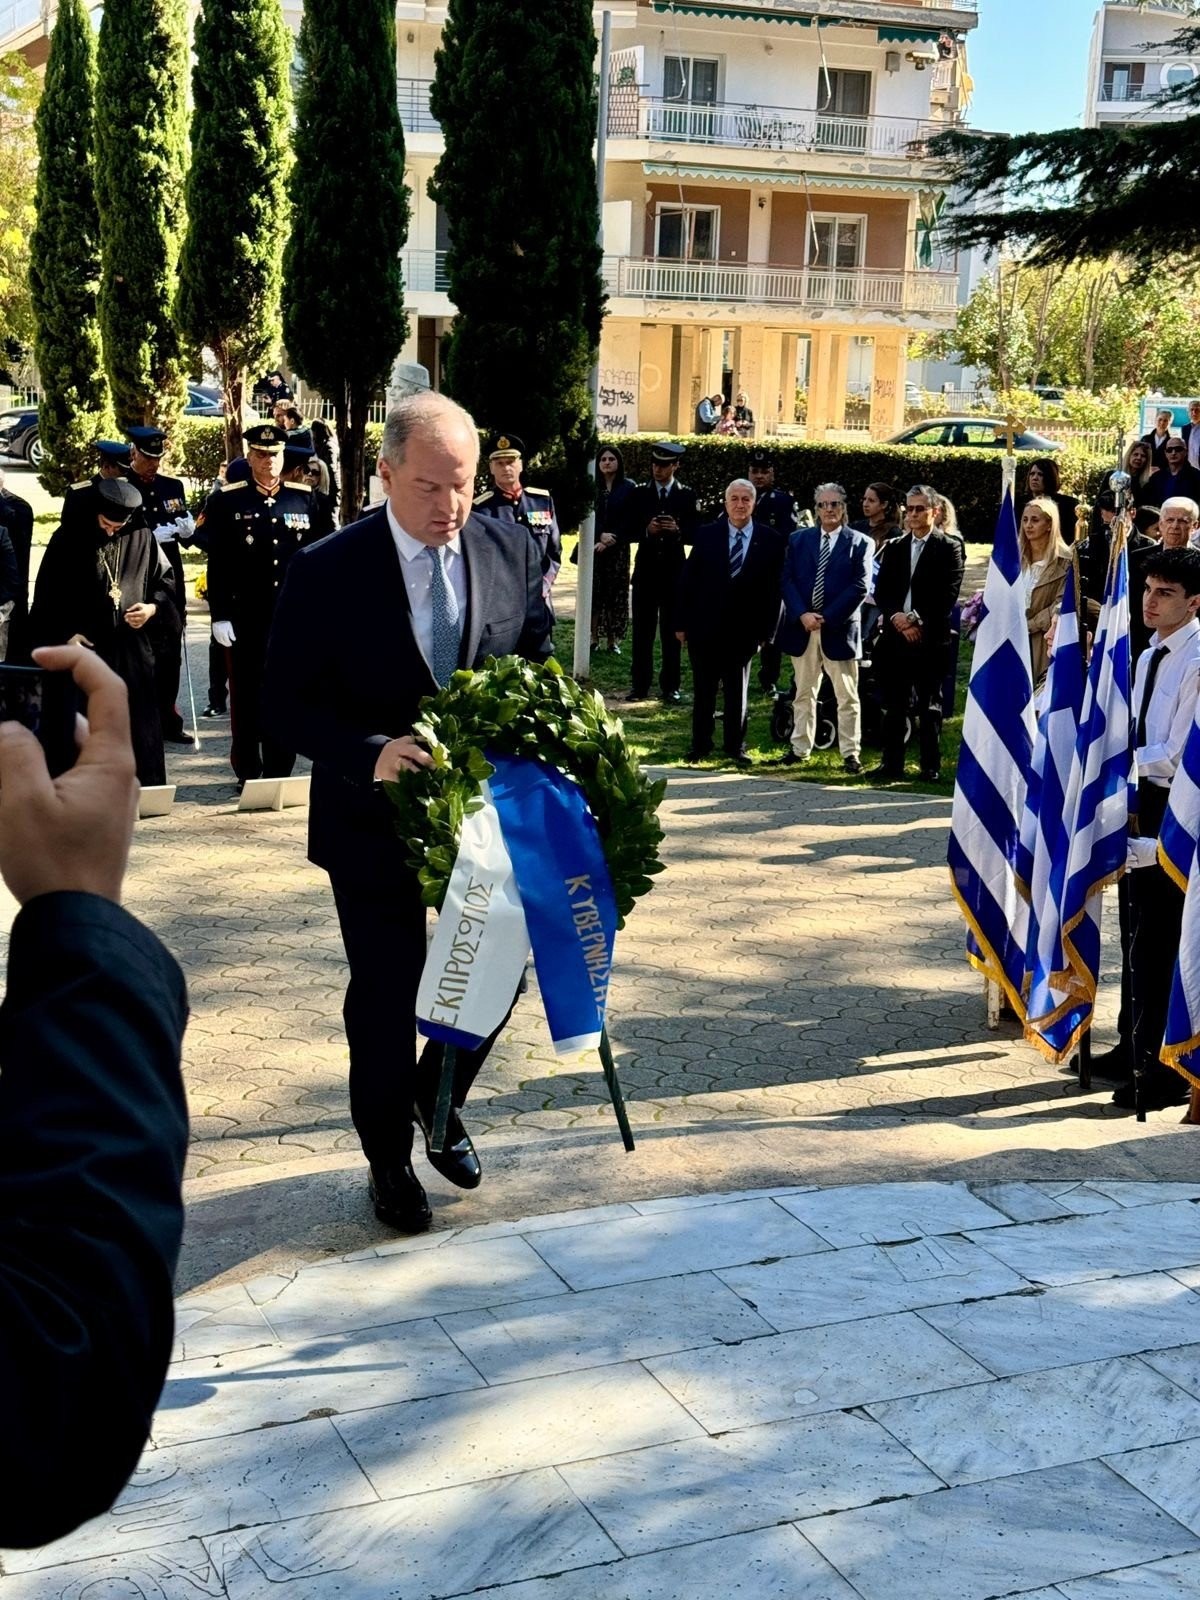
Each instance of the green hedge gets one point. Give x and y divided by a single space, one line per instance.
971 478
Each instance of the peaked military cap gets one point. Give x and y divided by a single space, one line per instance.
506 447
112 451
761 458
667 453
150 441
266 436
117 495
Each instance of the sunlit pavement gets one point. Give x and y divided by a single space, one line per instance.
926 1391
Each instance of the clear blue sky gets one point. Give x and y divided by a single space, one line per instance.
1029 62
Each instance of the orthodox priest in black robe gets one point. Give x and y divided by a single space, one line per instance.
105 583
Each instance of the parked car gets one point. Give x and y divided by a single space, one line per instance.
980 433
19 430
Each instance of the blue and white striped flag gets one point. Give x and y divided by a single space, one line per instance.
1097 804
1042 860
1178 840
993 769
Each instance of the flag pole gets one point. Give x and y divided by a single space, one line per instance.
1084 1057
1119 483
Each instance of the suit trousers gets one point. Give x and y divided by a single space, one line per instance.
910 682
168 649
253 752
717 667
653 612
843 675
1156 915
383 933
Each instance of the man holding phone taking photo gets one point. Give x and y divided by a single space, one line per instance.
661 517
93 1124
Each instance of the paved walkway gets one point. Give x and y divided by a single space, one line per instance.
893 1392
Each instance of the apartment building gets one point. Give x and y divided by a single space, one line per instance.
770 213
1132 62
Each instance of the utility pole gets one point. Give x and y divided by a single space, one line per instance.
587 533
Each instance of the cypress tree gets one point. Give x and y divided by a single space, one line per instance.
141 137
519 191
1088 194
343 312
236 192
65 257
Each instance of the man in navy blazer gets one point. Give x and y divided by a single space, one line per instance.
728 608
825 579
364 619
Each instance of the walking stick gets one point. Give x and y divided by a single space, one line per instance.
187 668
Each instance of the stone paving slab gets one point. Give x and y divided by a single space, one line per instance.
680 1445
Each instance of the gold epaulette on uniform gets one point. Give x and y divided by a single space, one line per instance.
480 498
228 488
545 493
307 487
86 484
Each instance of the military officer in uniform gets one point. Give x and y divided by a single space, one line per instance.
79 502
508 500
661 517
777 508
253 529
298 457
164 508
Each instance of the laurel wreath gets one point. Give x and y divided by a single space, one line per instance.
519 708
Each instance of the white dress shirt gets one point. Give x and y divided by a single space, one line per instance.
745 534
915 551
1193 454
1172 707
417 570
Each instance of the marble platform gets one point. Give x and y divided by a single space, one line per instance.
920 1391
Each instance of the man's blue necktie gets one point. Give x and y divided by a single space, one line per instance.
447 619
738 554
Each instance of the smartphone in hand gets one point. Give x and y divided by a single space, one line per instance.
45 703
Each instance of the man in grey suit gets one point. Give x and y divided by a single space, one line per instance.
369 622
825 578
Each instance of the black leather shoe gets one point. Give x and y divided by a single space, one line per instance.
457 1163
210 713
792 760
1159 1092
1111 1065
694 756
740 758
930 775
635 696
885 775
179 736
672 699
399 1199
852 764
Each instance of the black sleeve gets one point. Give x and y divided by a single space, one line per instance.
10 577
537 636
215 529
93 1134
51 620
170 608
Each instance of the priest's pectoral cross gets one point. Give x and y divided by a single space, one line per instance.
114 594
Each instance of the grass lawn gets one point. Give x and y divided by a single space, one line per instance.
661 735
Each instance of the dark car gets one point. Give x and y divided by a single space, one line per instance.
986 433
19 427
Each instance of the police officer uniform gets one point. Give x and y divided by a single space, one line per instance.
252 534
533 508
656 571
777 508
79 505
165 513
299 452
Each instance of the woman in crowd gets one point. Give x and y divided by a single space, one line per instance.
945 517
610 568
743 416
325 444
727 424
1041 478
881 514
1045 561
107 585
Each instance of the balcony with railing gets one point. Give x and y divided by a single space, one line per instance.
412 96
801 288
656 120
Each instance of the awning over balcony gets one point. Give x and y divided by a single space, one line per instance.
908 35
702 8
777 179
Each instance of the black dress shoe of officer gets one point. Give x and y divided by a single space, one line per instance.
1161 1090
1111 1065
457 1163
399 1199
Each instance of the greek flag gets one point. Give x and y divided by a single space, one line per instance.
1053 1018
1177 848
1095 827
993 770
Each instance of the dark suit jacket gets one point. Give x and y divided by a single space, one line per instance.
660 555
1159 488
935 586
93 1135
1157 454
345 673
16 515
847 578
731 614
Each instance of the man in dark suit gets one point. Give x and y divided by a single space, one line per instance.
369 622
777 508
825 579
1175 479
1156 439
728 608
660 517
920 574
1190 427
93 1129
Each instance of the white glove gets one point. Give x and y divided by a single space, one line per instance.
185 526
1141 853
165 532
223 634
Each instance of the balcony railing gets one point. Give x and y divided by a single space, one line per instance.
1127 91
425 271
752 127
806 288
412 96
